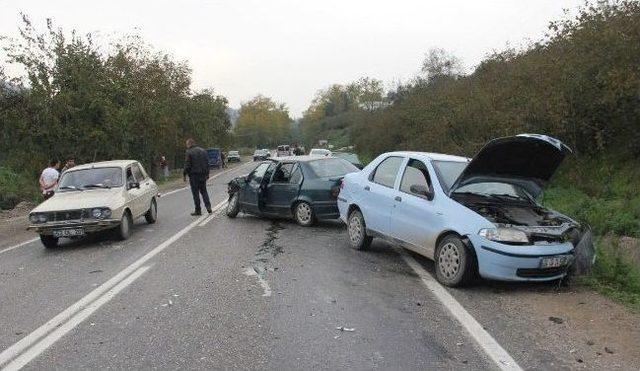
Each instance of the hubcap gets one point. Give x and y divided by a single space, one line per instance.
355 230
154 210
304 212
125 225
233 202
449 260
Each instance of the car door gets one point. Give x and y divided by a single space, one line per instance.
415 220
250 194
135 193
283 189
378 193
147 188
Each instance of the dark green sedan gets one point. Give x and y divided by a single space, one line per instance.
303 187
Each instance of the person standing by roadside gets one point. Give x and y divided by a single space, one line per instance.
165 167
71 162
49 179
196 166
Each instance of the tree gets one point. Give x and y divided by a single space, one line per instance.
263 123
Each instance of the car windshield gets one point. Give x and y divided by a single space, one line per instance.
318 152
331 167
105 177
259 152
448 172
497 190
233 153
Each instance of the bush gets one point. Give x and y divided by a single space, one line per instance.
16 187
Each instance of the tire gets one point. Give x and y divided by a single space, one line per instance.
152 214
357 229
233 207
123 231
303 214
49 241
454 262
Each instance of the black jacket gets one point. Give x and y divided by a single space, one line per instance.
196 162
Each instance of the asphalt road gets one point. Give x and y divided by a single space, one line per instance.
248 293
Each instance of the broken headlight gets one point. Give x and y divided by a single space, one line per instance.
511 235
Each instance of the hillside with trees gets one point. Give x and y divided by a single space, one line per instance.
76 98
263 123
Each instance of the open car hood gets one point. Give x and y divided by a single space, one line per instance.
526 160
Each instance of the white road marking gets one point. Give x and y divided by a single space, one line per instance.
19 245
64 328
249 271
482 338
14 350
213 213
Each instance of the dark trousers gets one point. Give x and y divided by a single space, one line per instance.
198 184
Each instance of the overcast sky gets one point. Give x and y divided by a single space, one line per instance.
289 49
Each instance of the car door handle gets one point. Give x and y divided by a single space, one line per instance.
367 188
398 198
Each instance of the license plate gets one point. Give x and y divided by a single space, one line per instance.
69 232
554 261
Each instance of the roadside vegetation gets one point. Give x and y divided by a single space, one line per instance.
579 83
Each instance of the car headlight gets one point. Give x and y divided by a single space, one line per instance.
101 213
42 218
504 235
33 218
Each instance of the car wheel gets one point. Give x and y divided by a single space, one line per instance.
233 207
49 241
152 214
123 231
454 262
358 238
304 214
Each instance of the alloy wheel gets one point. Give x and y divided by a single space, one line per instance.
303 213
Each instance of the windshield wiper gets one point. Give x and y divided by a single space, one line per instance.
97 185
511 197
73 188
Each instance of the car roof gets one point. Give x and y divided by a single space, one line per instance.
305 158
430 155
113 163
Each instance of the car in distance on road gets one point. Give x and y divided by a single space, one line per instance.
95 197
283 151
469 216
351 157
233 156
261 155
302 187
215 157
319 152
267 151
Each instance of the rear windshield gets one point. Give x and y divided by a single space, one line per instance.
106 176
331 167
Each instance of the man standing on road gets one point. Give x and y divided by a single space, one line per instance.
196 166
49 179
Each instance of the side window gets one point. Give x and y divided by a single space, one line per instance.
296 176
386 172
137 173
283 173
130 178
415 173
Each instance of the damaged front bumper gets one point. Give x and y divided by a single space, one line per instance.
505 262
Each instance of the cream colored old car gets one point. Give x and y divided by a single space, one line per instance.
95 197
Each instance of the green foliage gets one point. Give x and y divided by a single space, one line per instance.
15 188
615 275
74 99
262 123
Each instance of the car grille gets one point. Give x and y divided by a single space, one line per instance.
59 216
540 272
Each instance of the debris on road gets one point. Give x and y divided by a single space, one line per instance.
608 350
347 329
556 320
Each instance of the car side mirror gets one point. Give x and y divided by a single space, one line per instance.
422 191
134 185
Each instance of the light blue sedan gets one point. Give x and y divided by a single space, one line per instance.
470 216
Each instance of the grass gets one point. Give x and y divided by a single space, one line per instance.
16 187
604 194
